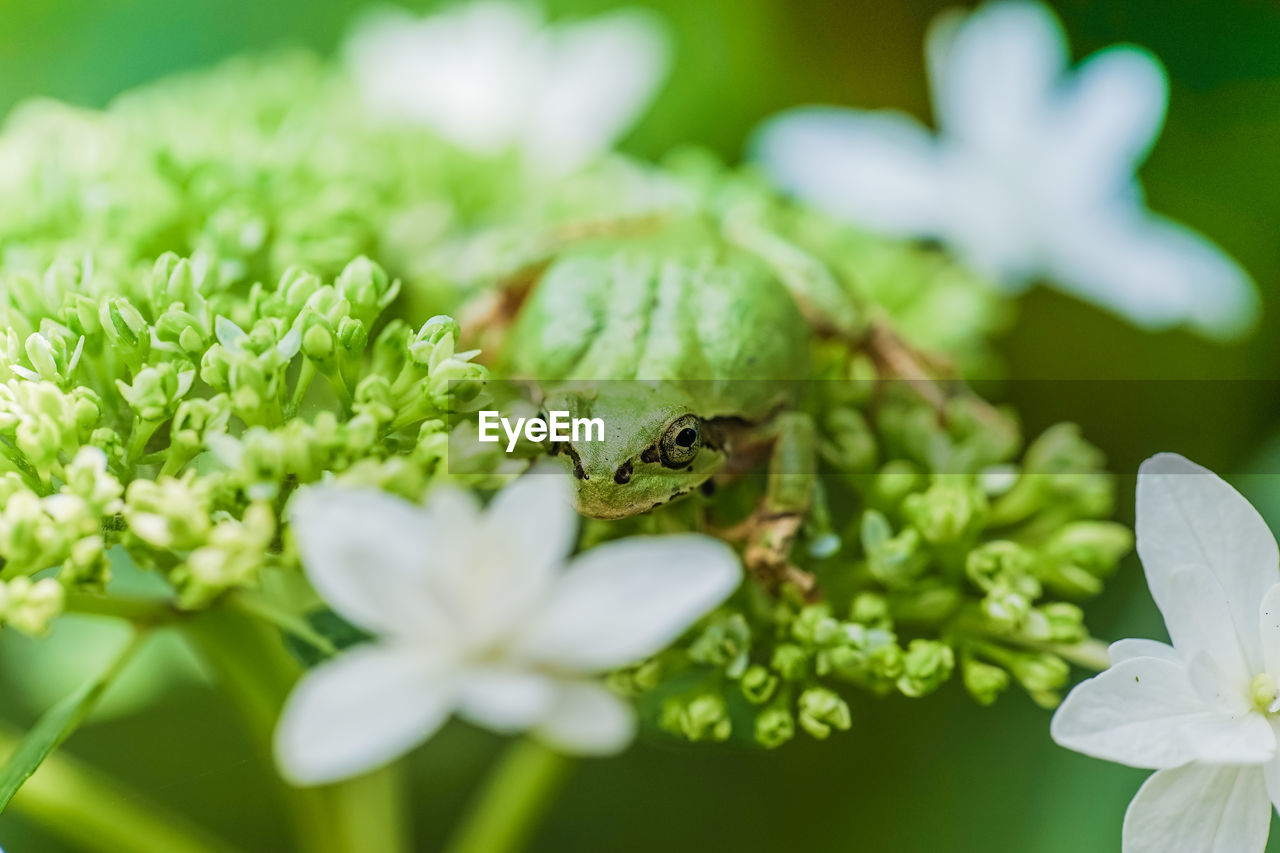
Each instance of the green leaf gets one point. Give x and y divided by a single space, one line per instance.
337 633
56 725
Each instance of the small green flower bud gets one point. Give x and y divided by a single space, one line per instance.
790 662
895 480
1096 546
1040 673
29 606
758 684
997 561
1061 450
125 328
297 286
317 341
926 666
352 335
871 609
886 661
947 511
703 717
724 643
851 445
774 727
41 355
983 681
364 284
1057 622
155 391
815 626
1005 608
821 710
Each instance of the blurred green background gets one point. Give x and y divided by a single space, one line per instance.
929 775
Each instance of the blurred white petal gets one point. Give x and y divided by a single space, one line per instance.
1198 809
625 600
597 78
586 719
534 522
368 555
359 711
1145 713
993 73
504 699
1188 517
878 169
1153 271
1106 120
492 76
1032 175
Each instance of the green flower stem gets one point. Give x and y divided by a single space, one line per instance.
250 662
306 374
94 812
514 798
137 609
369 812
138 438
1089 654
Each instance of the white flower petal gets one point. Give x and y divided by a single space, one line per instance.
879 169
1106 121
534 522
625 600
1152 271
468 72
359 711
1198 809
1123 650
1186 516
1144 713
504 700
1199 622
368 554
1271 770
993 72
1269 625
598 76
586 719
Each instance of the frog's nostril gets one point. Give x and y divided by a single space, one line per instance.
623 475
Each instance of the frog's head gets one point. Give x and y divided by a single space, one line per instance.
655 447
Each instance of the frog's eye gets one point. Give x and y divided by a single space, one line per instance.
680 443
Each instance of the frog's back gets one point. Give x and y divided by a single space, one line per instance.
637 316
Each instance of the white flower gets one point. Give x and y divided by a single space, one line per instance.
1031 176
492 76
475 613
1203 712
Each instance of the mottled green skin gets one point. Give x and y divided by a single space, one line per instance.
716 338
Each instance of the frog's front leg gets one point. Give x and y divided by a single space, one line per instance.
770 531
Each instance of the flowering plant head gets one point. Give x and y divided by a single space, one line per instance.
1031 175
1202 710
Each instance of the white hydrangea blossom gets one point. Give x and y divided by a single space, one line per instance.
1205 711
477 613
492 76
1031 174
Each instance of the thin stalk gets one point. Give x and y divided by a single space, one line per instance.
512 801
369 812
94 812
250 663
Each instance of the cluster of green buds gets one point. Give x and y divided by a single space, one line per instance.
171 415
959 554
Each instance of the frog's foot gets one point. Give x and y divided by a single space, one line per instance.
769 538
